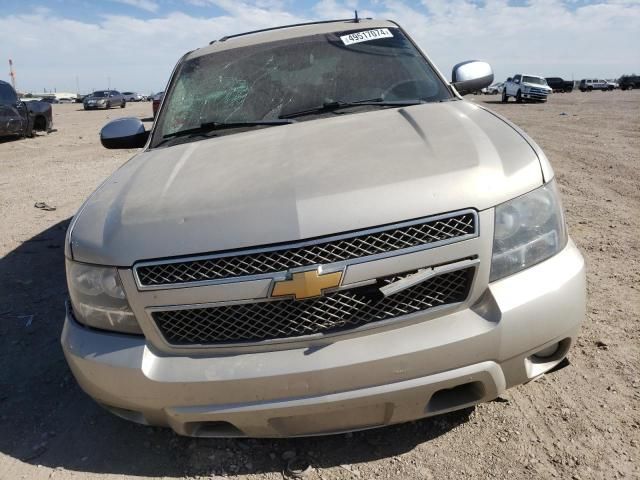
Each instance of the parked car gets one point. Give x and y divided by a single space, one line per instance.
629 82
22 118
293 257
155 103
588 85
49 100
132 96
104 99
528 88
493 89
559 85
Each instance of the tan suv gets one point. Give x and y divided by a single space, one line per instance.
319 235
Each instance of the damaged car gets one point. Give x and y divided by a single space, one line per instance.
318 235
22 118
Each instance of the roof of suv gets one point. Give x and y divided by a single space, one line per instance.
291 31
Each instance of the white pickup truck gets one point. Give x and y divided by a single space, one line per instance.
526 88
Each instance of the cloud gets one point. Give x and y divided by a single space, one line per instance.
147 5
547 37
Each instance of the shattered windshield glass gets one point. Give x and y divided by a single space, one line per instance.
270 80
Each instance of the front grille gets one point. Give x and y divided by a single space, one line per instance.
324 251
334 312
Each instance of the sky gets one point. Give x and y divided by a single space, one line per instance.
133 45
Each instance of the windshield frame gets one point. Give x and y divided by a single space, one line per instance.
156 139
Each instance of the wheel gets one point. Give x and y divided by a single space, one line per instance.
519 97
107 106
630 87
505 98
123 104
28 131
589 89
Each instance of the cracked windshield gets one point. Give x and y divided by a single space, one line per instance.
268 82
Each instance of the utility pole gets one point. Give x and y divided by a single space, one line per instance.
12 74
77 85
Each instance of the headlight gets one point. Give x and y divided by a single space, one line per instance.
98 299
528 230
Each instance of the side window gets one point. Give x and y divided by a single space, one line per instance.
7 95
516 78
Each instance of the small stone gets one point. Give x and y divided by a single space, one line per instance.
503 439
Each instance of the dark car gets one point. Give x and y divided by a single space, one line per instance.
104 99
560 85
22 118
629 82
155 105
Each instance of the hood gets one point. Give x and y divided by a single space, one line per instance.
536 85
304 180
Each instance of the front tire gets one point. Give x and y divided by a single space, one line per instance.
505 98
28 131
519 97
123 104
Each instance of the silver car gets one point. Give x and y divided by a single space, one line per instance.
320 235
104 99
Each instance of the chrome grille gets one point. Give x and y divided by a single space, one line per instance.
279 319
322 251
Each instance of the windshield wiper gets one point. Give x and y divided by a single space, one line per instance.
212 126
339 104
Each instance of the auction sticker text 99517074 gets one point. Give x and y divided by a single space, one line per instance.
358 37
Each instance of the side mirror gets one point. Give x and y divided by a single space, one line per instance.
471 76
126 132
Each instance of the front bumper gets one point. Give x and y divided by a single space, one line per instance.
380 378
538 97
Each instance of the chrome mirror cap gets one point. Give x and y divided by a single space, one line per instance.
470 76
126 132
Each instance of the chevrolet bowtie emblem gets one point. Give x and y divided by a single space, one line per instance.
306 284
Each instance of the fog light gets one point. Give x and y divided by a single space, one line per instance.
547 351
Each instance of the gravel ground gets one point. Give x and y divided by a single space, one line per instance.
579 422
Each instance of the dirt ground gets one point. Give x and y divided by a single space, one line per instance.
580 422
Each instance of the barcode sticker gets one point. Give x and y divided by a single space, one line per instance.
366 36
